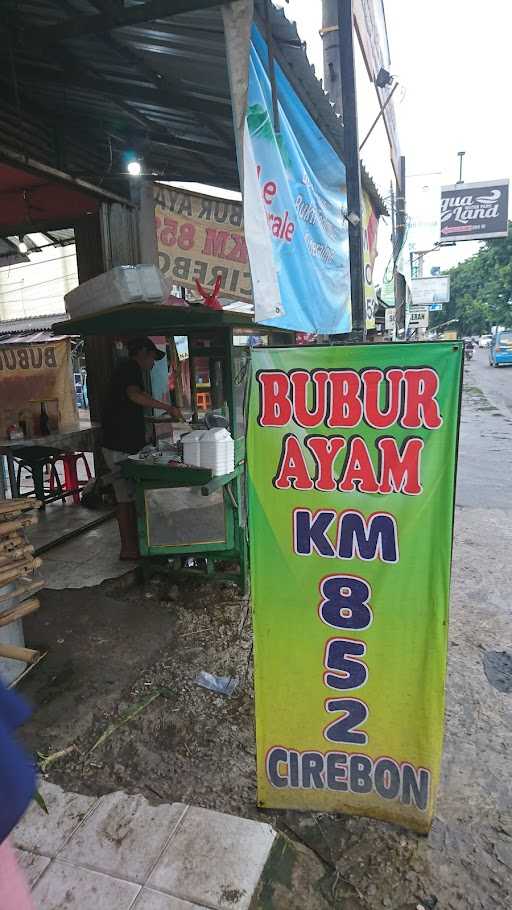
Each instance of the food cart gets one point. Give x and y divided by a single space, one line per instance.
189 518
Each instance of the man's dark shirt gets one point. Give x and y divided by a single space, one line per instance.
123 420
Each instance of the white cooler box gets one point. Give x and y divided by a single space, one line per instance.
117 287
212 449
217 452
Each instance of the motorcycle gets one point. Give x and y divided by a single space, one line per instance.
468 352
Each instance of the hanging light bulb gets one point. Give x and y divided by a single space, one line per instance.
134 168
22 246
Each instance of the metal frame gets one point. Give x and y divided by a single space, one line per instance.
233 549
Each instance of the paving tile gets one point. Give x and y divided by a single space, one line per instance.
214 859
124 836
33 865
47 834
156 900
64 886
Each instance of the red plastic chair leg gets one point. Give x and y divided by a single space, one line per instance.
80 456
71 477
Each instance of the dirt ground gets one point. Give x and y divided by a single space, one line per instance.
113 647
117 647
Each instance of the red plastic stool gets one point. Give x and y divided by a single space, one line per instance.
71 485
203 400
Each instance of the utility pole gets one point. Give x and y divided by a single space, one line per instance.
330 35
461 158
400 283
393 213
347 82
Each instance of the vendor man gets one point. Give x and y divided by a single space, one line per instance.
124 431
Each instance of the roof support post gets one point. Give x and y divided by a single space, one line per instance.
353 167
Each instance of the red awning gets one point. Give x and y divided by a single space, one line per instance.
28 198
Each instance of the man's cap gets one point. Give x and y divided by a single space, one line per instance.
135 345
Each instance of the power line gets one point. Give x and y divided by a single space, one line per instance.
39 284
25 265
20 285
31 301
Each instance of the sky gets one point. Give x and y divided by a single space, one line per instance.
451 59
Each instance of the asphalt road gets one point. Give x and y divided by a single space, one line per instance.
470 849
485 452
495 382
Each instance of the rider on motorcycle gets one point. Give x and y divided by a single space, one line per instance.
469 349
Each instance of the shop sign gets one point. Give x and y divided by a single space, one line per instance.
418 316
370 229
294 206
430 291
200 237
30 357
35 374
387 291
390 319
351 456
474 211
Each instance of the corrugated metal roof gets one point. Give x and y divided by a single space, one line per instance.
30 338
16 327
158 87
9 250
10 254
62 236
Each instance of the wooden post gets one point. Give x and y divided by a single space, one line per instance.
98 351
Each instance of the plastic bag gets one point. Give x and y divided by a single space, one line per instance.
223 685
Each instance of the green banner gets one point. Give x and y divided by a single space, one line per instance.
352 456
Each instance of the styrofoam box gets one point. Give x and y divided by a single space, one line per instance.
121 285
191 447
217 451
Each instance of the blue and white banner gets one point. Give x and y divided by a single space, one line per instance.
294 204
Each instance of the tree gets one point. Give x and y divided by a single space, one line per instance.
481 289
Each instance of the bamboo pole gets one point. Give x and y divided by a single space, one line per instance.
15 561
24 609
11 543
23 589
13 555
13 652
7 527
21 568
18 505
28 669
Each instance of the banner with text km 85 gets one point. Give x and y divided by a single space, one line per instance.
202 237
352 456
294 200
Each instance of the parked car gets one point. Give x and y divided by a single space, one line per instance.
500 349
484 341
